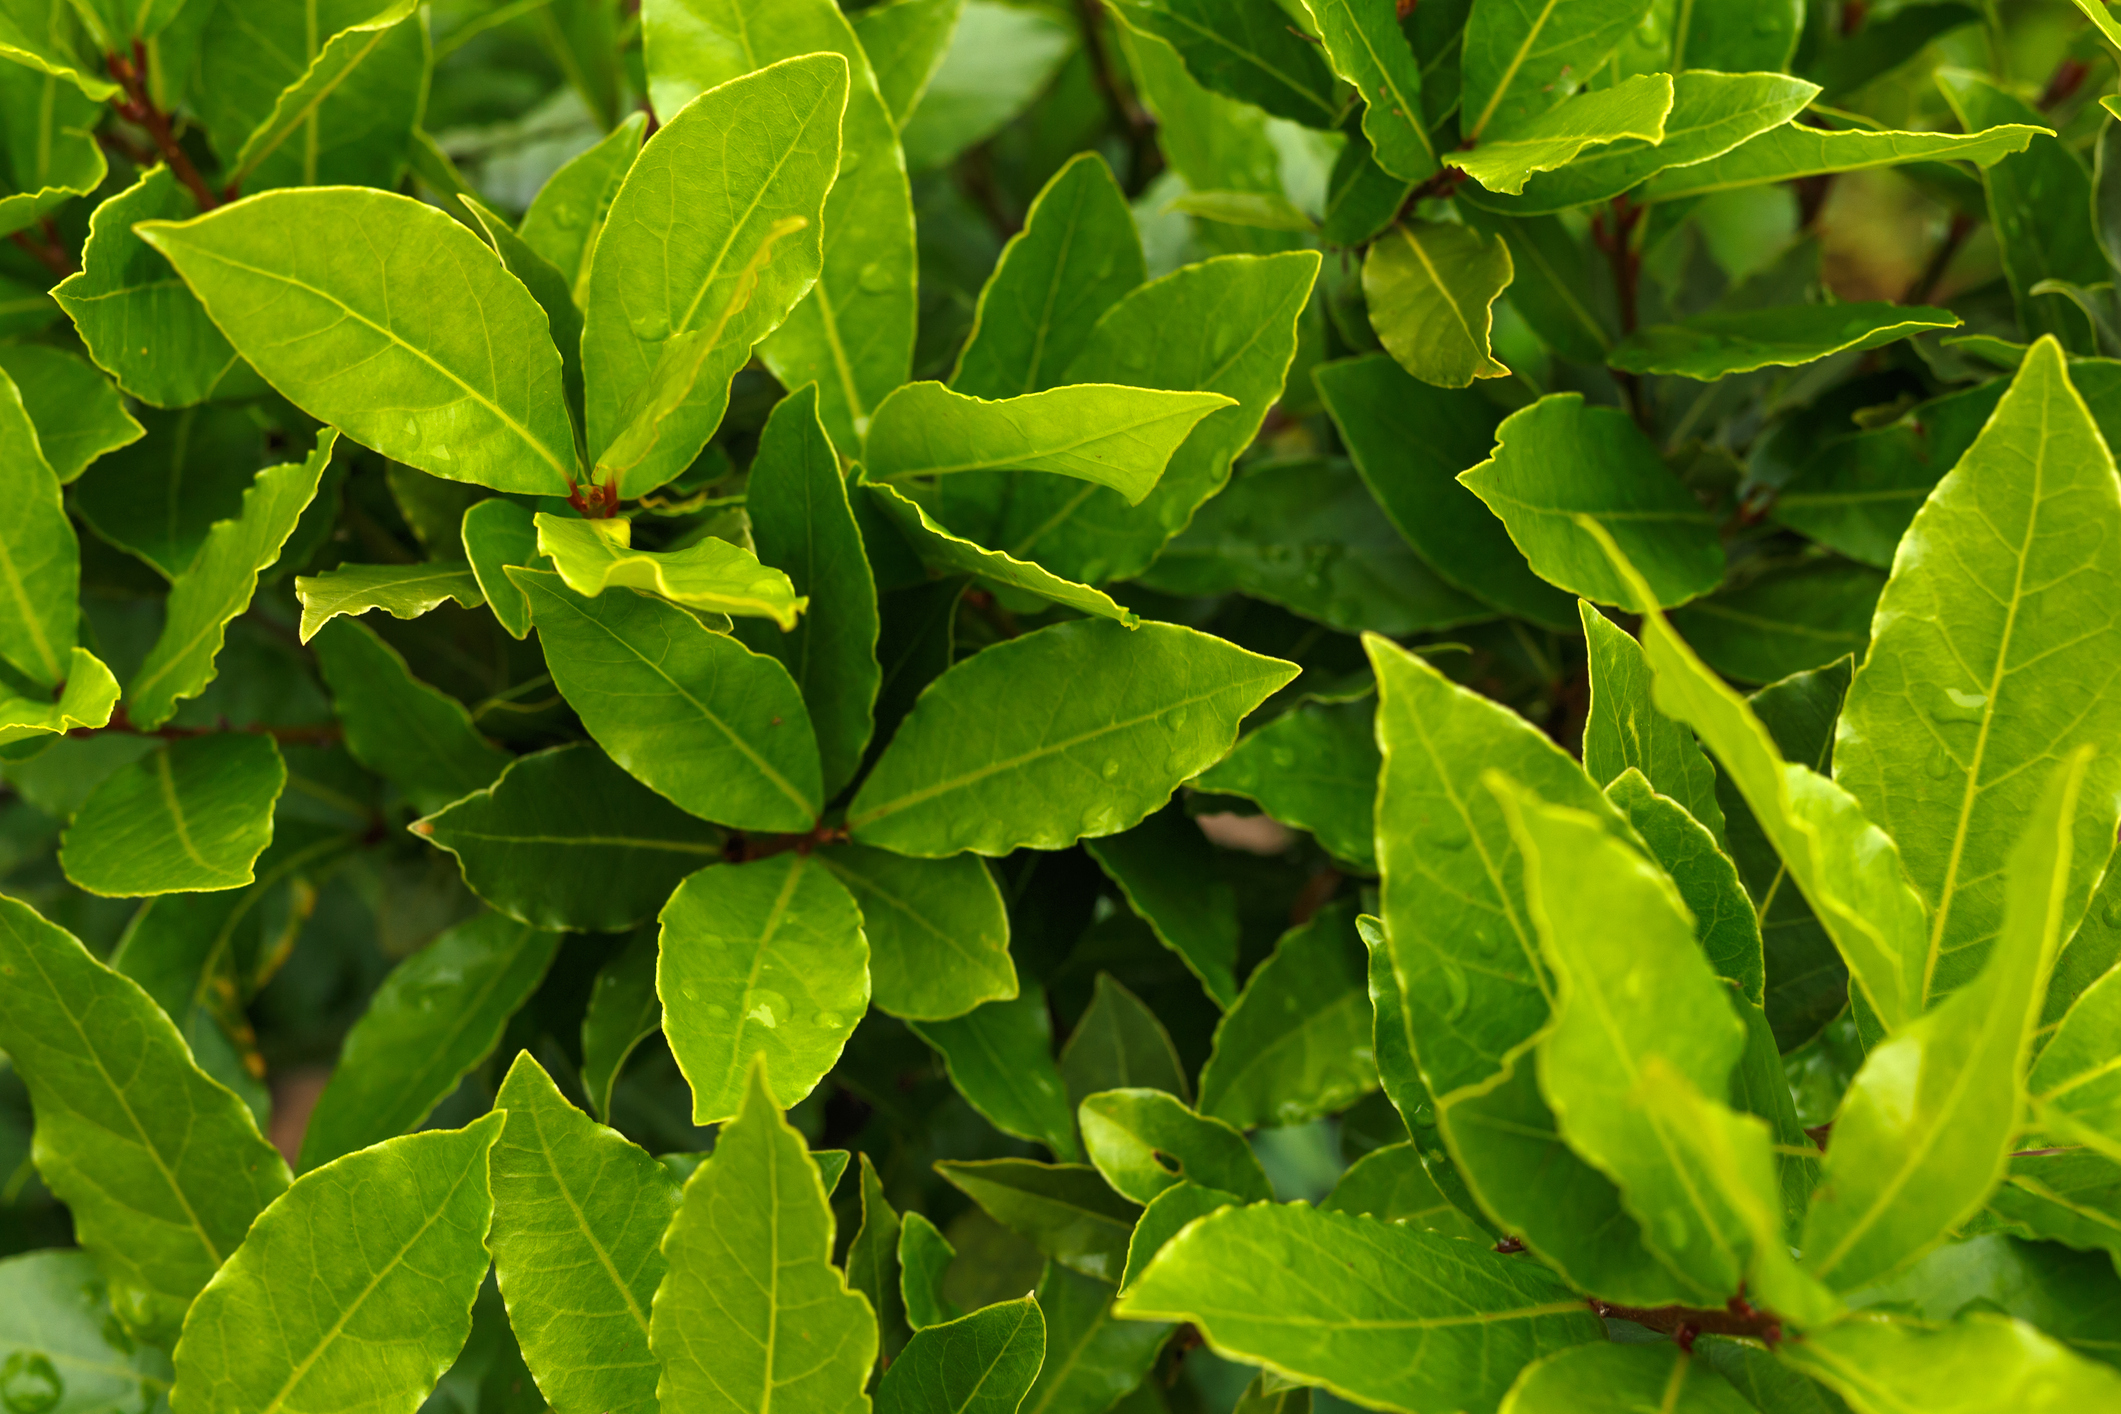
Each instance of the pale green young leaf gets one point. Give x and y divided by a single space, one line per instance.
1077 255
1313 768
853 335
803 525
388 1247
938 930
1092 1359
975 766
191 817
753 1315
1624 728
1264 211
764 959
402 591
1431 287
710 574
983 1363
1365 46
1720 343
1165 1217
1144 1141
693 714
873 1265
905 41
40 558
64 1352
415 736
1925 1131
1982 1361
578 1218
1000 1058
1621 1379
623 1012
1632 110
313 109
924 1255
219 582
1726 924
2076 1084
498 533
1166 869
1559 462
1989 661
406 333
87 700
162 1169
935 545
1297 1043
1392 1185
1119 1044
1792 150
569 211
75 409
1522 58
566 840
1106 434
439 1013
1378 1294
553 291
1067 1210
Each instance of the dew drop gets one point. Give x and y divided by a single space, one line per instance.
1938 764
29 1384
877 278
2111 914
1448 834
651 325
828 1020
1454 984
1110 769
1951 705
768 1008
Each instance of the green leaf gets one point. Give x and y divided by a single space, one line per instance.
1377 1293
578 1218
1145 1141
1166 870
1632 110
2070 1296
77 413
759 959
304 139
2076 1084
159 497
937 928
1166 1216
1391 1185
1848 869
402 591
1431 287
1263 211
553 291
42 37
1118 1044
753 1315
498 533
1560 463
1306 534
1091 1358
711 575
802 524
421 322
983 1363
1106 434
1925 1131
53 156
1410 439
388 1247
1725 922
1993 636
1245 49
905 42
1793 150
64 1353
1249 306
1624 728
623 1012
1000 1058
1619 1379
937 546
87 700
853 336
1068 1210
39 555
1723 342
692 714
1000 59
1364 45
873 1265
1077 255
1981 1361
975 766
437 1015
161 1168
420 739
566 840
219 582
569 211
191 817
1312 768
1522 58
924 1255
1711 114
1297 1043
1783 619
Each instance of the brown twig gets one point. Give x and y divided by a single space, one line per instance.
743 848
48 252
323 735
1613 230
138 107
1143 156
1683 1323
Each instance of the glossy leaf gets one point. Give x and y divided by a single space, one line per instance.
924 1255
193 816
1000 1058
1625 729
760 959
62 1350
983 1363
498 533
905 43
1243 49
1145 1141
1391 1185
439 1013
87 699
2074 1082
1793 150
1783 619
566 840
1521 59
568 214
402 591
77 413
693 714
623 1012
1981 1361
937 929
709 575
1166 869
578 1216
935 545
1118 1044
1725 922
418 738
1364 45
389 1247
1066 1209
162 1169
967 770
1719 344
1431 287
39 554
1297 1043
1165 1217
1633 110
1612 1378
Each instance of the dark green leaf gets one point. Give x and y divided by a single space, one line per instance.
983 1363
1624 728
1784 619
193 816
419 739
1297 1044
938 932
1000 1057
1145 1141
623 1012
1245 49
1166 869
1066 1209
1718 344
402 591
1313 768
1092 1359
1119 1044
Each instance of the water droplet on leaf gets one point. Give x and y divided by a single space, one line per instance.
29 1384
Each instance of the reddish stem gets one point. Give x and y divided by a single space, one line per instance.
138 107
323 735
48 253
